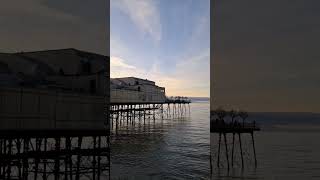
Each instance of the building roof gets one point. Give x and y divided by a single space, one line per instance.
68 59
131 77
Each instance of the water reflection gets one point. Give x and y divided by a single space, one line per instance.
168 148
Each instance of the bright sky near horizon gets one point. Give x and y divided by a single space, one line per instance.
166 41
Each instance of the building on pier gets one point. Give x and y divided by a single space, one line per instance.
65 88
132 89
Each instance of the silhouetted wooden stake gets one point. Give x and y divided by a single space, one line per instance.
254 151
9 164
210 162
218 162
99 157
69 158
25 172
154 113
226 145
78 158
232 149
94 158
4 152
241 150
45 160
57 160
38 145
66 160
19 161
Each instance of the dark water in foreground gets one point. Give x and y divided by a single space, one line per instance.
288 148
168 149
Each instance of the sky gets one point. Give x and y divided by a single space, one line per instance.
34 25
166 41
266 55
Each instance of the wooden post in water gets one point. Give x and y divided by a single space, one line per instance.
241 150
57 159
78 158
254 150
38 146
94 158
44 175
99 158
25 172
18 143
144 115
9 163
218 162
226 145
232 152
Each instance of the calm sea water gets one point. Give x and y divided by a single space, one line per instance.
288 147
167 149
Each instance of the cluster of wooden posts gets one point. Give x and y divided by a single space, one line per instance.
233 123
125 114
57 154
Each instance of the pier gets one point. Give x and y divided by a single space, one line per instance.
54 115
54 154
129 113
228 125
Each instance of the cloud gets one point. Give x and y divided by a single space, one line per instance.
189 71
17 8
179 83
118 62
144 14
120 68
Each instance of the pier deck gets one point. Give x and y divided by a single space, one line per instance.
232 128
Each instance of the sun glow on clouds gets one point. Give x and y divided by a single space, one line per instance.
183 82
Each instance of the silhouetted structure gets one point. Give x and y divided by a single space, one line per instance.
224 123
54 115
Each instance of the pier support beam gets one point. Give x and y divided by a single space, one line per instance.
218 162
232 152
241 150
226 145
254 150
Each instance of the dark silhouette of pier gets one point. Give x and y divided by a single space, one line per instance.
233 123
54 154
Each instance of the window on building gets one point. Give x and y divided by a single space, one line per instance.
92 86
86 67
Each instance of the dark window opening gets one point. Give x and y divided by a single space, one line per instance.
61 72
92 86
86 67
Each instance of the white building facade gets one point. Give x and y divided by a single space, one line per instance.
132 89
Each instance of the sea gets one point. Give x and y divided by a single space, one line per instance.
173 148
287 148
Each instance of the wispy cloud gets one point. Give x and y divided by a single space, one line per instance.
36 8
118 62
189 71
144 14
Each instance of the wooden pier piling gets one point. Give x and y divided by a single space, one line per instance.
135 111
221 126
